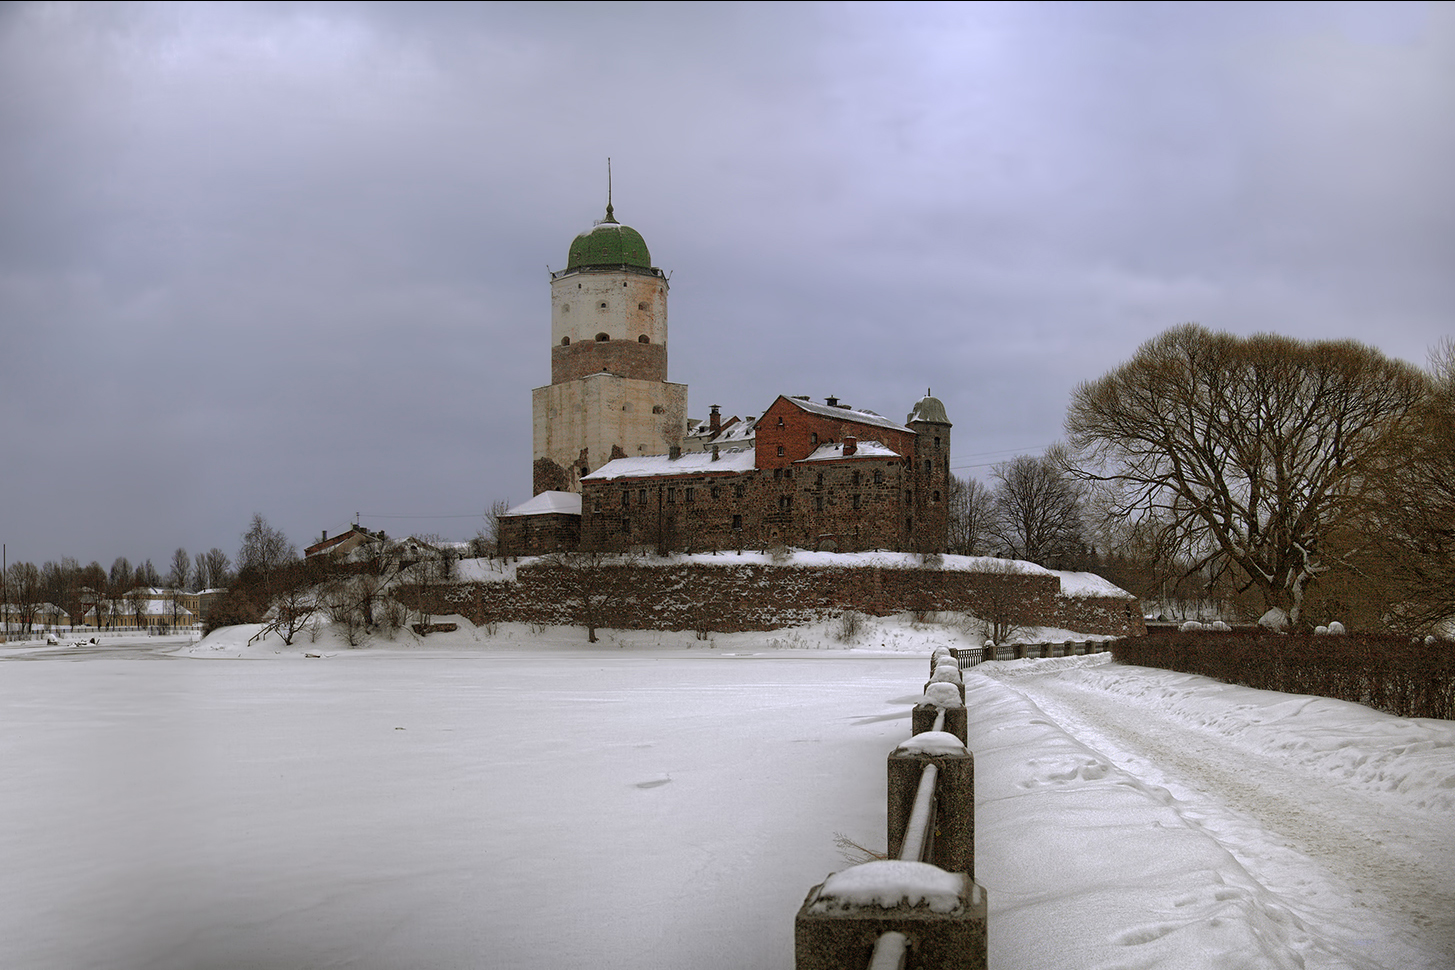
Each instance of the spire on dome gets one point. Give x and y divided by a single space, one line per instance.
609 216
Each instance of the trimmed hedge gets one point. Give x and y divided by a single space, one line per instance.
1388 673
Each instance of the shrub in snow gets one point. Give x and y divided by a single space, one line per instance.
1336 629
1219 626
1321 631
1275 620
943 695
1189 626
850 624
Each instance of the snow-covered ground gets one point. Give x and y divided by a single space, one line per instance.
522 800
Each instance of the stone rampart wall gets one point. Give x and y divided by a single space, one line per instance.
733 598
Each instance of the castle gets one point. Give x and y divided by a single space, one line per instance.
610 471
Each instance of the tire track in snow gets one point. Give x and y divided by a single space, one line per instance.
1301 840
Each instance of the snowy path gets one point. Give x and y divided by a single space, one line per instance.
1314 825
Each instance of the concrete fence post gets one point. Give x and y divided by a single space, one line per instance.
954 818
837 929
922 719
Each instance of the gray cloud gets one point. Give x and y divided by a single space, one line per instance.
290 258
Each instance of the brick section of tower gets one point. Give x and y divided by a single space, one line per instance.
625 358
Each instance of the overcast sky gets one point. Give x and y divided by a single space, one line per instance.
292 259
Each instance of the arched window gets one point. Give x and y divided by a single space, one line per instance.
565 341
602 304
643 305
644 339
603 337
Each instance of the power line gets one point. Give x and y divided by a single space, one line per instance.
389 515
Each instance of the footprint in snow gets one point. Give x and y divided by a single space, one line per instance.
654 782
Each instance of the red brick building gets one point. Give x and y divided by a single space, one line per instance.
820 476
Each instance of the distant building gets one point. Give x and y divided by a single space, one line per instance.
343 543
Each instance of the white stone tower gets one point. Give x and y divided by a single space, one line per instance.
609 396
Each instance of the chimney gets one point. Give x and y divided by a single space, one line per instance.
714 419
714 452
325 536
674 452
851 445
832 402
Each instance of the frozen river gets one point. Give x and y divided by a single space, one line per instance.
385 810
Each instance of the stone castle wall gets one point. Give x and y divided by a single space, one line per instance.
735 598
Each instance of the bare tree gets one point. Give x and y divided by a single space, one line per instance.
23 589
263 552
1412 560
1258 455
181 572
146 575
590 581
971 513
219 568
488 538
1037 508
290 613
122 576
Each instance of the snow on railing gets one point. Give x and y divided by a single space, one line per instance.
922 900
970 656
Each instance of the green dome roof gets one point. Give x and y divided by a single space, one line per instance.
609 244
929 409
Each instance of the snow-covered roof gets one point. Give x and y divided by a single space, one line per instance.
834 451
743 430
848 414
1088 584
549 503
733 461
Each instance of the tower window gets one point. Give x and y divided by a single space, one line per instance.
603 337
658 409
644 339
602 304
642 305
780 451
737 523
565 341
935 497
